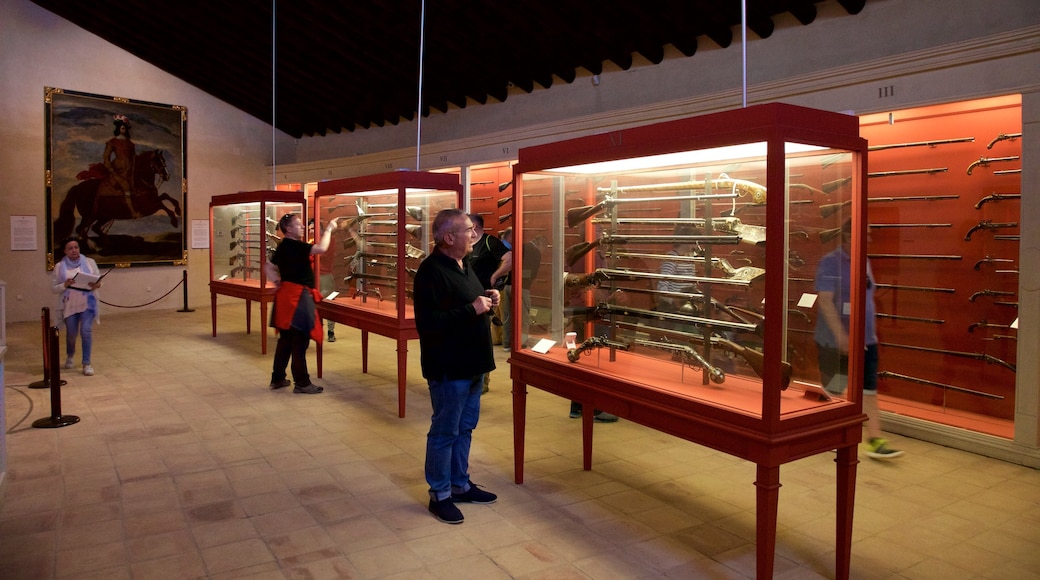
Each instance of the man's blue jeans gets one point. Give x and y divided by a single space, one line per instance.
456 410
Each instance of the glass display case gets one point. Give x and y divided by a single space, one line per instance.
662 270
384 230
243 232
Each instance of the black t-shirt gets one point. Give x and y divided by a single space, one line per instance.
293 259
532 261
486 257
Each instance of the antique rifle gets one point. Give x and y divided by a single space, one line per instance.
754 358
915 256
739 187
974 355
575 252
996 197
921 143
909 379
504 201
612 275
831 186
591 343
605 310
502 218
577 215
1007 171
910 318
916 288
238 269
503 186
749 273
985 161
829 209
1003 137
988 225
689 355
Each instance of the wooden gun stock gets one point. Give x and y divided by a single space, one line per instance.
755 359
577 215
504 201
575 252
829 234
829 209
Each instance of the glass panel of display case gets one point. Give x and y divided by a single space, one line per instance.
381 236
654 269
244 235
944 201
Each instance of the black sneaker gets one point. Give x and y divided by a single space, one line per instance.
603 417
308 389
474 495
446 511
281 384
332 337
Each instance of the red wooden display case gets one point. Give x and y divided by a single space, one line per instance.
606 208
242 233
375 251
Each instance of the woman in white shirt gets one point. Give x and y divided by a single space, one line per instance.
78 308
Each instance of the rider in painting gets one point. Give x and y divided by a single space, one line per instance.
119 157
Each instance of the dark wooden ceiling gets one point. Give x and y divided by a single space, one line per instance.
346 64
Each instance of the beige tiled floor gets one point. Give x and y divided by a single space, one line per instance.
185 465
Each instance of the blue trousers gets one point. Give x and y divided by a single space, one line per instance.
456 410
82 325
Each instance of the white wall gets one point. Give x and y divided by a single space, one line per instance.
228 150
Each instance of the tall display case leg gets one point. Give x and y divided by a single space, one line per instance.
213 311
263 327
587 416
847 460
364 351
249 316
402 374
519 424
317 354
768 496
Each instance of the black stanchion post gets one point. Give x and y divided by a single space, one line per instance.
184 282
56 419
45 323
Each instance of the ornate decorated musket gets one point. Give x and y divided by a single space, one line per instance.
915 288
238 269
690 356
740 187
754 358
750 234
591 343
1003 137
988 225
996 197
910 318
615 275
749 273
575 252
605 310
240 217
985 161
413 211
577 215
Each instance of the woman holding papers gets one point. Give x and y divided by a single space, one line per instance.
78 304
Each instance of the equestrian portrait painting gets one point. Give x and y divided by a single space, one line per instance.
116 178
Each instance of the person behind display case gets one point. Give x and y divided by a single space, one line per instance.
833 281
451 316
78 308
486 256
673 267
295 317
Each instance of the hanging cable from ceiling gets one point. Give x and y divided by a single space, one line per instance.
418 108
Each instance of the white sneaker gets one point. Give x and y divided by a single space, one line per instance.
69 363
88 370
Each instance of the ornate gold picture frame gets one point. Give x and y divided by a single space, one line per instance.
116 178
